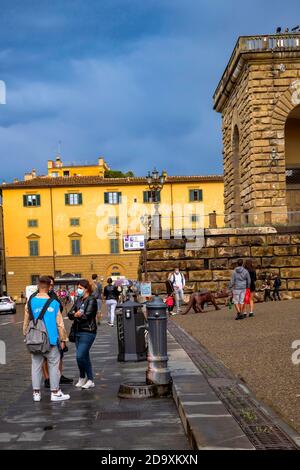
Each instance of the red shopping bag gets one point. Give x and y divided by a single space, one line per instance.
247 297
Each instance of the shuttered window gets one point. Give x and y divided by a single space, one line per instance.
112 198
31 200
73 199
75 247
33 248
114 246
32 223
151 196
196 195
74 222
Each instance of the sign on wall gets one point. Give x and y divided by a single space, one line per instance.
133 242
145 289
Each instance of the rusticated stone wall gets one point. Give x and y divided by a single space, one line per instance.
266 88
211 267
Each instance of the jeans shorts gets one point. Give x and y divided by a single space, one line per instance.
239 296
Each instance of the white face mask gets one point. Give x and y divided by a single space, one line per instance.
80 292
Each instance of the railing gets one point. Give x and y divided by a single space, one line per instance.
279 42
183 224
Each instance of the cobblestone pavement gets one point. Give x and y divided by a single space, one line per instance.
258 351
95 418
14 377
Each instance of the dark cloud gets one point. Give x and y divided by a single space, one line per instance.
129 80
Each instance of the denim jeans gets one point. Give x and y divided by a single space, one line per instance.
84 343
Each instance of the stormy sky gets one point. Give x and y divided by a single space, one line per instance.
130 80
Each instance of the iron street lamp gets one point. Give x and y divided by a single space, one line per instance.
155 182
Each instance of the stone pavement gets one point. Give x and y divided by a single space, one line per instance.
97 418
197 418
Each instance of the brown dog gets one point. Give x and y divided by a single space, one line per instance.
199 299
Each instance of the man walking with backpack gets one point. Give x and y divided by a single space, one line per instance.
177 280
45 334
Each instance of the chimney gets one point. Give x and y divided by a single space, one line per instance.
33 173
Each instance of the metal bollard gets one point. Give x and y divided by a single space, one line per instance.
158 372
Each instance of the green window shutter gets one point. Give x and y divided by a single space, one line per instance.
191 195
157 197
114 246
80 198
66 199
33 248
145 196
105 198
75 244
119 198
38 200
200 195
24 200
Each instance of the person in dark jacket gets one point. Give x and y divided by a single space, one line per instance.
111 295
252 273
276 288
84 313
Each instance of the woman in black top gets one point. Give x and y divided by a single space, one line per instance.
111 295
252 272
83 314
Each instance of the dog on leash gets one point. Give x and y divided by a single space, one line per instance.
199 299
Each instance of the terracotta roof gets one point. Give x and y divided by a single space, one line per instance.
44 182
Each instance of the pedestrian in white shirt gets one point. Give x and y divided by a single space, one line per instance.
177 280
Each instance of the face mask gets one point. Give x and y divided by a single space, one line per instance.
80 292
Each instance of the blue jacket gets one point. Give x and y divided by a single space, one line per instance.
49 319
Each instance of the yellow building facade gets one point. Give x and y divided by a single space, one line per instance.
77 224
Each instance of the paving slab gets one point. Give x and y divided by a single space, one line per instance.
207 422
96 418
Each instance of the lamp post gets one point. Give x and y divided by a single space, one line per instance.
155 182
145 221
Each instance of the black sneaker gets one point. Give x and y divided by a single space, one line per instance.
239 317
245 315
47 383
251 315
65 380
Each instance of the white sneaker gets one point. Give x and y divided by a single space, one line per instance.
81 382
37 396
89 384
59 396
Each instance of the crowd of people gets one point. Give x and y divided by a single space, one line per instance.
46 336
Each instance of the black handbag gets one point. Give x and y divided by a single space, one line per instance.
72 334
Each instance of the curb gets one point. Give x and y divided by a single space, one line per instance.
206 421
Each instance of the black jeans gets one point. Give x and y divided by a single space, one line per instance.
267 295
276 294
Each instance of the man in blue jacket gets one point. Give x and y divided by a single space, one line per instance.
57 336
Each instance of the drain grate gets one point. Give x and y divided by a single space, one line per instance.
264 434
256 424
